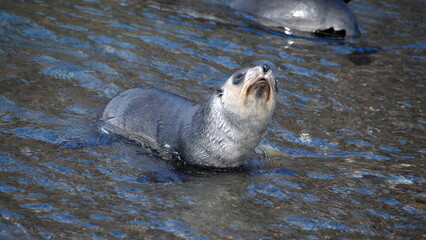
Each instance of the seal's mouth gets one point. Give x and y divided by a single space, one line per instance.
261 88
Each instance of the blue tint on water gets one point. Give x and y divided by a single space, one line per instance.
315 224
343 158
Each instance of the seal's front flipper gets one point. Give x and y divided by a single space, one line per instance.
330 33
268 152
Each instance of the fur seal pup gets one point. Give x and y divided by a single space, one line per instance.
323 18
221 133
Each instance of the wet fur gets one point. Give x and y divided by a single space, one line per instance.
221 132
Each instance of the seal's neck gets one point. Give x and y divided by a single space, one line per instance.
239 128
219 139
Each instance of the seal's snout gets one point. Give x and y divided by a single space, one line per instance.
265 68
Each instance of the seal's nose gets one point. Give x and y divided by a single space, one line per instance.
265 68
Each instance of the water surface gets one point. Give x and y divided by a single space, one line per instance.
350 124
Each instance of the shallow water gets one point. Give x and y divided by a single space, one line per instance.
350 123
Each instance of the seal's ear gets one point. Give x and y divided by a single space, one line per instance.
218 90
276 85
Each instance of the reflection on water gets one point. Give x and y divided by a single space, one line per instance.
350 124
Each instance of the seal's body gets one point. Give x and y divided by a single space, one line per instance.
320 17
222 132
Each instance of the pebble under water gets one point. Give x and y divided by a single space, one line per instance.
349 125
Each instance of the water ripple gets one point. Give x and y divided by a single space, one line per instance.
347 134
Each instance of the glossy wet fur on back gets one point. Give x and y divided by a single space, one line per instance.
221 132
322 18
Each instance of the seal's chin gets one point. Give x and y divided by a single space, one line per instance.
260 88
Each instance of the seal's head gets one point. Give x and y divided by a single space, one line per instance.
250 93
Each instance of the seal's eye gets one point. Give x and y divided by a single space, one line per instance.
239 78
